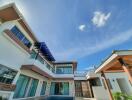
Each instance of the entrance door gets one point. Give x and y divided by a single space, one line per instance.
59 88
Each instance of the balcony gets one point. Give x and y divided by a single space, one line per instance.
80 75
91 74
40 67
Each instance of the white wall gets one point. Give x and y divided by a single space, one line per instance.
114 76
11 54
5 94
100 93
115 86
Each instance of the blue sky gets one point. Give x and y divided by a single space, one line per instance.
83 30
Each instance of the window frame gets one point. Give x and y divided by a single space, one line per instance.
18 33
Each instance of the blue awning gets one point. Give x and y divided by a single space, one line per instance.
42 47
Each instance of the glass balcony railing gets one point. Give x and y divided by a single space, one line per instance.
42 61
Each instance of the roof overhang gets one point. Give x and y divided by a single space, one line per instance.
10 12
44 50
112 64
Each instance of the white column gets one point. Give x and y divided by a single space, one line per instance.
14 82
38 91
47 92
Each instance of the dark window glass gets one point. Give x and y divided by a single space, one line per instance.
20 36
6 75
17 33
26 42
48 66
43 89
64 70
95 82
33 54
25 86
21 86
59 88
33 88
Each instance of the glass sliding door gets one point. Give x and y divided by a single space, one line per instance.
25 86
59 88
52 88
65 88
21 86
33 88
43 89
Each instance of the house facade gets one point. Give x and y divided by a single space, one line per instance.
116 73
27 67
29 70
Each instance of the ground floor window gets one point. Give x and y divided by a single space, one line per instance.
78 89
43 89
59 88
6 74
25 87
33 87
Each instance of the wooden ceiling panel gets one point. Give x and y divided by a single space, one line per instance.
8 14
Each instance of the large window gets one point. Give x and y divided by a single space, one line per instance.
6 75
33 88
21 86
78 88
43 89
59 88
25 87
64 70
21 37
95 82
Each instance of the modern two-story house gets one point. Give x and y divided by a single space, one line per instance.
27 67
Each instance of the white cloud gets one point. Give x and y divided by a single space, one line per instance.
99 19
82 27
85 50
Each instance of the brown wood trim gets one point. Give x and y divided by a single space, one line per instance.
126 69
107 86
114 71
10 12
7 87
26 27
13 37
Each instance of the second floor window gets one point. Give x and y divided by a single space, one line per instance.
64 70
21 37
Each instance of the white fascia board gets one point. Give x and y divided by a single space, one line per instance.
106 62
124 52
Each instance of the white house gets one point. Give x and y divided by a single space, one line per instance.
27 67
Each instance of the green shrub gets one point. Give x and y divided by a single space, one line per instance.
121 96
0 97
